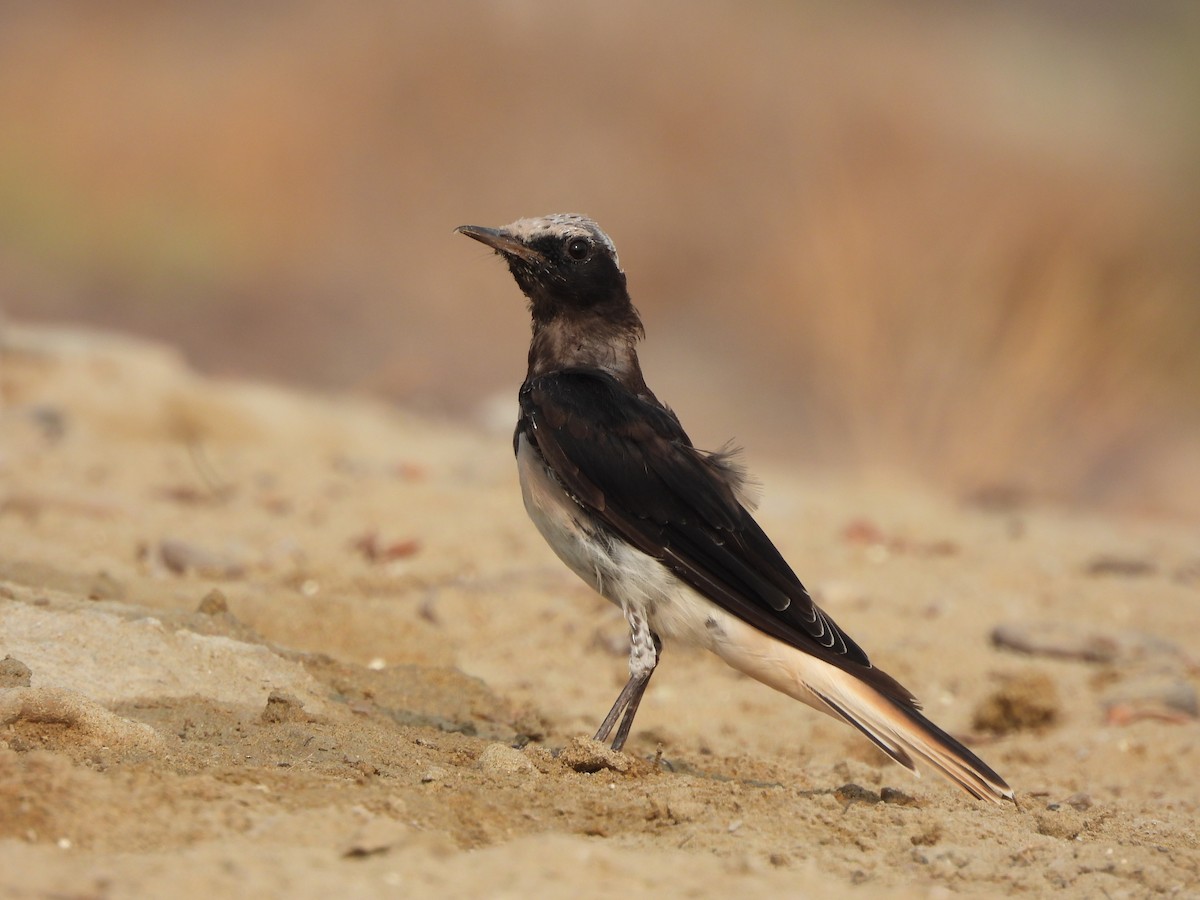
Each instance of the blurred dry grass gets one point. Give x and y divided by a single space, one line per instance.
958 242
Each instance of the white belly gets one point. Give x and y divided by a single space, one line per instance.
645 588
628 577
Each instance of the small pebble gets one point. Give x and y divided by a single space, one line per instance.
897 798
1123 566
14 673
433 775
213 604
1081 801
283 707
1164 693
500 759
1055 640
855 793
182 557
586 755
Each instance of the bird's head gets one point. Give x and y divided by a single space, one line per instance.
563 263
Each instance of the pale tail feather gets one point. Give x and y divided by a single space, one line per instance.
899 731
903 734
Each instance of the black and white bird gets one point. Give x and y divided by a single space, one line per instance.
662 529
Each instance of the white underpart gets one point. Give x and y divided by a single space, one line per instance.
650 595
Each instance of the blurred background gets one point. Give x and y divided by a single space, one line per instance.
955 242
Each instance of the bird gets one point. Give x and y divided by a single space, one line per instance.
665 530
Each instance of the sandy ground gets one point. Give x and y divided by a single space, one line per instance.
260 643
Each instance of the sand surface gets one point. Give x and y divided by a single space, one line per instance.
260 643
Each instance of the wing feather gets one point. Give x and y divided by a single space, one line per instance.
628 461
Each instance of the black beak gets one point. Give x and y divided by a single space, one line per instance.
500 241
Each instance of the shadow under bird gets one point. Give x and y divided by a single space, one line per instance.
662 529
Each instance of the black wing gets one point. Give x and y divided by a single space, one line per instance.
629 462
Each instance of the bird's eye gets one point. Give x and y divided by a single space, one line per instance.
579 249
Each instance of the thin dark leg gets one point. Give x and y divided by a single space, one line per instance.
630 712
634 687
627 702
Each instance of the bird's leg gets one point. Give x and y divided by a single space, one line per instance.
634 700
644 651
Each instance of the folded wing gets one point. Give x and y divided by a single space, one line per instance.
629 462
